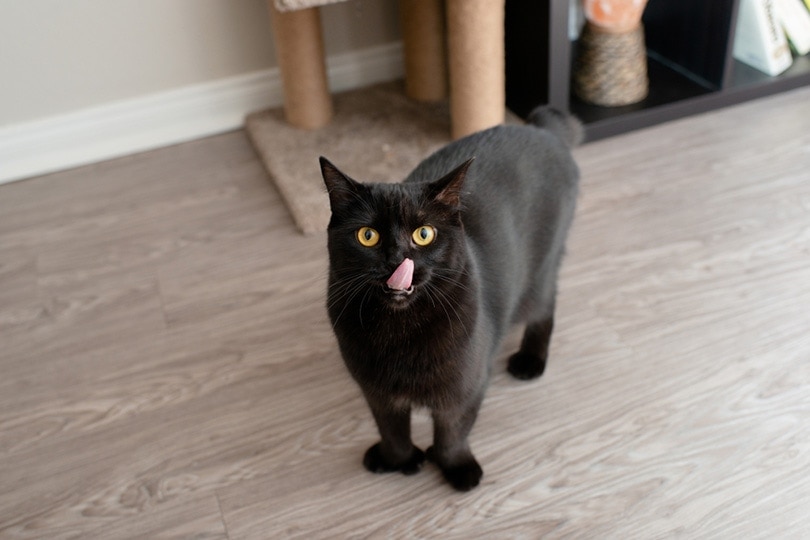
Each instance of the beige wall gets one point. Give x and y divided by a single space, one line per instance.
60 56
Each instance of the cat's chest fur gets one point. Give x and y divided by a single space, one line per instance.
415 355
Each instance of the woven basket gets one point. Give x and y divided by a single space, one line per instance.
611 68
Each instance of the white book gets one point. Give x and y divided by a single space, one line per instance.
759 40
795 19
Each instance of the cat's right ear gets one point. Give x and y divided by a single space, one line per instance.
341 188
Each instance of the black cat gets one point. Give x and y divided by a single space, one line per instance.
426 277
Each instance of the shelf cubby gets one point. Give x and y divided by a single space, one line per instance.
690 64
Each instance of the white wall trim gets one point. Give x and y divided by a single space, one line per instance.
155 120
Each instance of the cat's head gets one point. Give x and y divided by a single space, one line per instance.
395 242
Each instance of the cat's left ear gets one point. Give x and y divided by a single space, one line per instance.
447 190
341 188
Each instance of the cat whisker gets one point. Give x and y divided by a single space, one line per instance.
452 281
338 291
345 291
362 300
445 302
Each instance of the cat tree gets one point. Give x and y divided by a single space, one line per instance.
466 62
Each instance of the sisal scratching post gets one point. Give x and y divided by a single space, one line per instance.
299 46
477 66
424 49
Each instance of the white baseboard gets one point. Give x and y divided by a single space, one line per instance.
147 122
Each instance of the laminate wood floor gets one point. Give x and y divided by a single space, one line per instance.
168 369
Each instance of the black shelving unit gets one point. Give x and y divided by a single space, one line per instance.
690 64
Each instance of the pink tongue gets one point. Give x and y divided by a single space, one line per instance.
400 280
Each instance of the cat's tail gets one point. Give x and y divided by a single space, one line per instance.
565 126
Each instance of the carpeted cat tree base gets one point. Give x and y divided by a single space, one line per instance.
377 134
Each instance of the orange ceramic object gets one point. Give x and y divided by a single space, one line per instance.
614 15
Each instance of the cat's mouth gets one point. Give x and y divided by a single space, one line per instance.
398 298
399 293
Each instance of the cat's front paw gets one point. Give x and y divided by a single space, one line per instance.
526 366
375 462
463 476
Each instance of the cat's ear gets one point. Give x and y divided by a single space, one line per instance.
447 190
341 188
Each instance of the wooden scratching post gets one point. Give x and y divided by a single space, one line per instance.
477 65
423 29
469 35
299 46
450 46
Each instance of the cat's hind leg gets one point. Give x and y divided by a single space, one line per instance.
530 360
395 452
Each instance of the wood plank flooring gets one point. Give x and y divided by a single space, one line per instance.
167 369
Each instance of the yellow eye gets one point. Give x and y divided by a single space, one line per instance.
368 236
424 235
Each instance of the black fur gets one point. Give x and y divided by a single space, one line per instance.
501 221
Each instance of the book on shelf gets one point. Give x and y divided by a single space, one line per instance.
795 20
759 40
